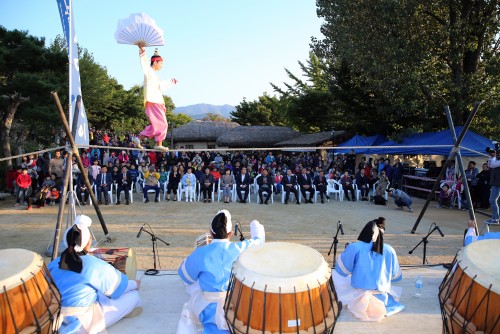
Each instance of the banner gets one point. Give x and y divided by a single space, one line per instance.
82 127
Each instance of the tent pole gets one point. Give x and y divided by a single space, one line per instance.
472 215
451 156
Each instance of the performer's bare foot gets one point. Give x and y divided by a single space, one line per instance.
137 143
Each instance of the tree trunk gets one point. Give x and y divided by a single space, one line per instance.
7 115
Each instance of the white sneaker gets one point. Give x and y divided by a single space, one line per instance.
137 143
161 148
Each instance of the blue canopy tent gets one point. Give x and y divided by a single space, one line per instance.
358 141
436 143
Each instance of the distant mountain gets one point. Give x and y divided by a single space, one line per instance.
198 111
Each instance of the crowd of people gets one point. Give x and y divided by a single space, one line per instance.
235 174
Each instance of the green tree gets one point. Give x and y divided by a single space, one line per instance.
212 117
412 57
28 73
266 110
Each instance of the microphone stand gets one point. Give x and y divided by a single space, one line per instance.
154 239
334 245
241 234
425 241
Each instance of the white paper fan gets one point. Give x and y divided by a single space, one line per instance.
137 29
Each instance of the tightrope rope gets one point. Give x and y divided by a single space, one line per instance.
35 152
234 149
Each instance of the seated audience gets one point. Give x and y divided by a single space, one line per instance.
265 182
151 178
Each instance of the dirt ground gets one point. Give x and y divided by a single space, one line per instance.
179 224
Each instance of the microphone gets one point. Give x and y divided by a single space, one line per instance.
439 230
236 229
140 231
341 228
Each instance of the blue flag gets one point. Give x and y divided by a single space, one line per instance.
82 127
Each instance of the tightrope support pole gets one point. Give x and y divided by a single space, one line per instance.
451 156
80 166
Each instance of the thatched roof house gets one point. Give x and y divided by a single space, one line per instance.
200 131
313 139
256 136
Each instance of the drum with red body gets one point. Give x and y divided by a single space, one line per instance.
281 287
29 299
470 292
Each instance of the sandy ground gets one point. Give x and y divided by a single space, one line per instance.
179 224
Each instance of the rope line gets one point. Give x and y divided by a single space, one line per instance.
297 148
35 152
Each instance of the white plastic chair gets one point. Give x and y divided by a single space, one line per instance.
152 191
130 194
386 195
242 192
220 192
257 199
334 187
283 194
183 190
83 194
357 191
199 195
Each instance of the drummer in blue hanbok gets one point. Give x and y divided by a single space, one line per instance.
207 271
94 295
364 273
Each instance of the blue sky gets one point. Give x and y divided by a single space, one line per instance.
219 51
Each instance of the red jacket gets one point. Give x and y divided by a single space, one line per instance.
23 181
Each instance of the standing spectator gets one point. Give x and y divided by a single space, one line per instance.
103 182
397 174
494 166
350 163
346 182
401 198
363 184
57 165
483 187
95 169
471 176
24 184
320 183
43 166
151 178
388 169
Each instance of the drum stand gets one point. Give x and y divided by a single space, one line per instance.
425 241
154 239
335 242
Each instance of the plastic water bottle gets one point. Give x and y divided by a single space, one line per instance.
418 287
